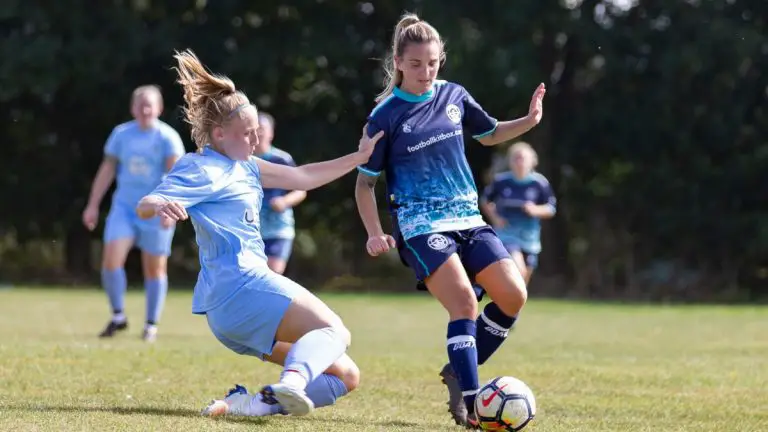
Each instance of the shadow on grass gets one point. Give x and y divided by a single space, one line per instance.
178 412
137 410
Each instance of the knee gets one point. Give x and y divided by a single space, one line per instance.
513 302
155 268
351 376
342 333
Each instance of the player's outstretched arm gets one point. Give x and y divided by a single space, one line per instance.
312 176
512 129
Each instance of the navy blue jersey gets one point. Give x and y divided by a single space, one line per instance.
509 194
429 183
274 224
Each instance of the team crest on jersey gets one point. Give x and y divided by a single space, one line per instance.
437 242
507 192
531 194
454 113
407 128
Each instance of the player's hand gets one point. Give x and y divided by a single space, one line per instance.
90 217
367 144
377 245
173 211
278 204
166 222
536 108
529 208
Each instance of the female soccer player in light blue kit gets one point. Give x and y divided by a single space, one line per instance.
277 223
138 154
438 229
515 202
251 309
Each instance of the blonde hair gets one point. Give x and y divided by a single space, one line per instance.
410 29
524 146
212 100
149 89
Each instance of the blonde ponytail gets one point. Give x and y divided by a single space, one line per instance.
210 98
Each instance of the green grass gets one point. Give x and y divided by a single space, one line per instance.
592 367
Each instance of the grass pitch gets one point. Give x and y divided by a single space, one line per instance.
592 367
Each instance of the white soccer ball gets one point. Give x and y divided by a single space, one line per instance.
505 404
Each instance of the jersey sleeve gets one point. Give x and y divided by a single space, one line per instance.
478 122
378 159
547 196
112 146
174 147
187 184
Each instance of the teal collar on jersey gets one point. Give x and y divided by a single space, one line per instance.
410 97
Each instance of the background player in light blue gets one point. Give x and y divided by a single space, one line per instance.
251 309
138 153
277 223
515 202
438 229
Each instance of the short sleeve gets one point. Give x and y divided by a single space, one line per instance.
112 146
490 192
378 160
289 160
187 183
547 196
476 120
174 147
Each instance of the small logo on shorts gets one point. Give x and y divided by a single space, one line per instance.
454 113
437 242
407 128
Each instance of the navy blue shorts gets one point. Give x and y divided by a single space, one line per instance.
278 248
476 247
531 260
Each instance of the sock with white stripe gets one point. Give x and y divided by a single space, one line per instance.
493 328
462 354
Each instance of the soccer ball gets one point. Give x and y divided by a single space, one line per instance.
505 404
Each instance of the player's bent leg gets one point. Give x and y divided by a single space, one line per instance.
342 377
318 339
114 281
155 269
507 289
453 289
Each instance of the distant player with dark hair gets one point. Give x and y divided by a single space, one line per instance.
138 154
277 222
438 229
515 202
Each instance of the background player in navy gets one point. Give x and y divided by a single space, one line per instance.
438 228
251 309
515 202
138 153
277 223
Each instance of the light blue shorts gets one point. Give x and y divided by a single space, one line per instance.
247 322
148 235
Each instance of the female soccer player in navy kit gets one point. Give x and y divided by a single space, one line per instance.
277 223
438 229
251 309
515 202
138 153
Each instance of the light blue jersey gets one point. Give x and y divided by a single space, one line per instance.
141 158
223 199
277 225
429 183
509 194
